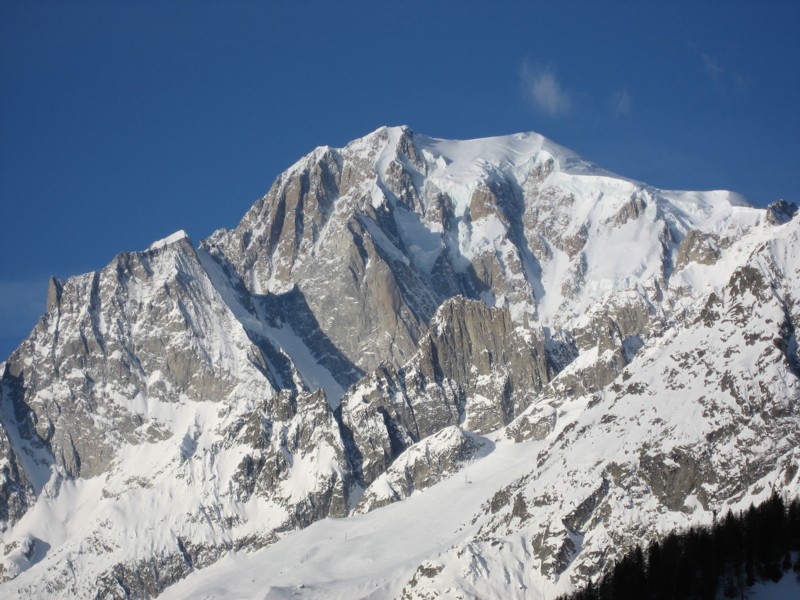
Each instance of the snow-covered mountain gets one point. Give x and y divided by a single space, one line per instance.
492 365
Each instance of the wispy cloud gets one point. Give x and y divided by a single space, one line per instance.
711 67
540 86
724 80
621 101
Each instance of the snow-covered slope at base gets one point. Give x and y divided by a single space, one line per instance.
364 556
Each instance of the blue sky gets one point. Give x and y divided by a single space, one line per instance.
121 122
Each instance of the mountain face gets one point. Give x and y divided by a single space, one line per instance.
605 362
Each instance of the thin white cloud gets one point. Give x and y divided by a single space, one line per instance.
542 88
725 81
621 101
711 66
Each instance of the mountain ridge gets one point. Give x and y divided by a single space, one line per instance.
387 315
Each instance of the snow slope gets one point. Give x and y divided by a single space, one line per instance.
365 556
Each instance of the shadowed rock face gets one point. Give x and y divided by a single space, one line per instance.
16 492
156 351
381 309
473 369
140 328
376 243
319 230
781 212
424 464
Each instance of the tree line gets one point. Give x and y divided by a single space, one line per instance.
723 560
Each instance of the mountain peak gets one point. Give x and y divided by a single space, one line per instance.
173 238
391 314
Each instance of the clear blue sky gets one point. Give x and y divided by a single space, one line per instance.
121 122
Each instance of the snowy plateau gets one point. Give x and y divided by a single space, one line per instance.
417 369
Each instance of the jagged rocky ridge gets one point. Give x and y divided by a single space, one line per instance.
372 319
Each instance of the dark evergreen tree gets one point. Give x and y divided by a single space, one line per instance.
708 562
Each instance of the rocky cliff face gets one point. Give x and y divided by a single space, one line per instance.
474 368
388 314
705 419
148 381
